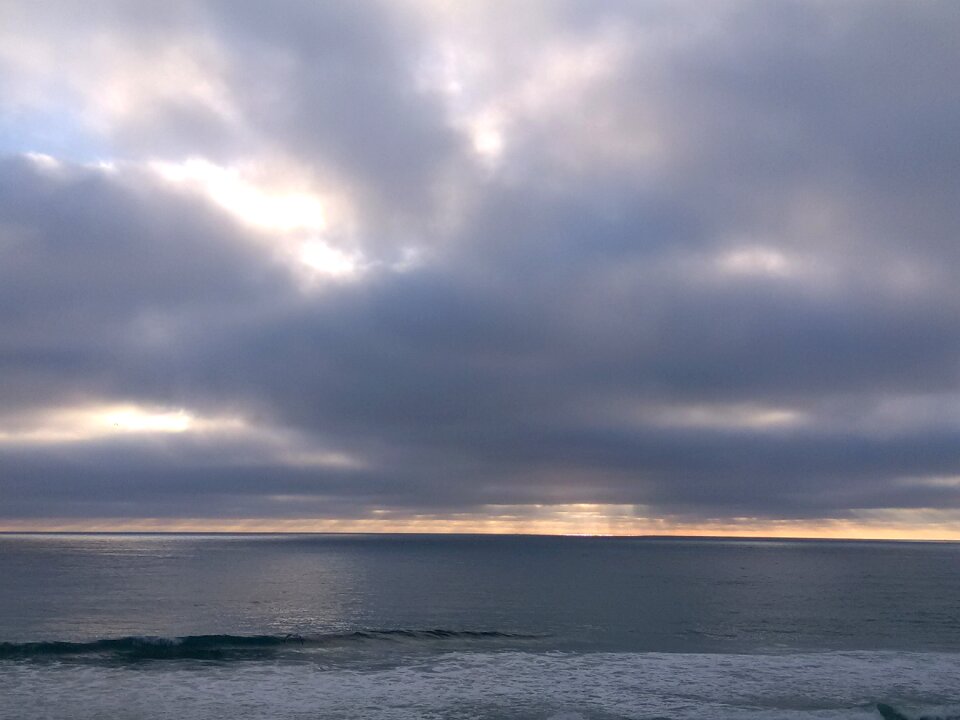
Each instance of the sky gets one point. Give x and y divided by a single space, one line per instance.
558 266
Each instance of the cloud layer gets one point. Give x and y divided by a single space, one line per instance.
649 265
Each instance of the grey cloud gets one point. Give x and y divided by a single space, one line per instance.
98 274
335 84
491 374
331 85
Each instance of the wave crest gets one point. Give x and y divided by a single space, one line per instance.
226 647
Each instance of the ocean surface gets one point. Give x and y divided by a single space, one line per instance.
398 627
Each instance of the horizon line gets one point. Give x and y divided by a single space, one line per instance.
413 533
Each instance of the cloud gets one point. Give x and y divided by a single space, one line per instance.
358 261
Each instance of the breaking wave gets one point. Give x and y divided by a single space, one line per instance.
229 647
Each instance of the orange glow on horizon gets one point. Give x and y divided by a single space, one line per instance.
833 529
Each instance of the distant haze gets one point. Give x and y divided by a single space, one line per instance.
559 266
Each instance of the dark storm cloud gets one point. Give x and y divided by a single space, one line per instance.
98 275
755 315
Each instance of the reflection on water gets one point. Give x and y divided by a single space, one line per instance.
618 594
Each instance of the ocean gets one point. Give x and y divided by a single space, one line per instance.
399 627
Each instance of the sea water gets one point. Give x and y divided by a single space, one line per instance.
374 626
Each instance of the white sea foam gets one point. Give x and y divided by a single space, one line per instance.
550 686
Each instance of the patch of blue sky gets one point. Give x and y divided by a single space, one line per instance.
59 135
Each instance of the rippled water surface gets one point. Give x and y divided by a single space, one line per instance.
423 626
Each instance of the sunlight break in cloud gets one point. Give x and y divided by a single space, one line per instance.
756 260
731 417
261 206
297 218
97 422
716 416
323 258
